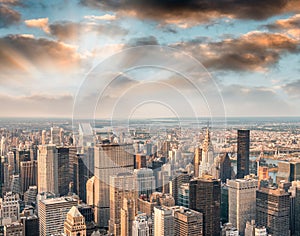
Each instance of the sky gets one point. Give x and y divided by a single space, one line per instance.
143 59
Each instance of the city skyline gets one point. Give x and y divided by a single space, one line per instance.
249 49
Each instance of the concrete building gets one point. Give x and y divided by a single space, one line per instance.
28 174
242 202
30 195
13 229
187 222
110 159
288 171
229 230
183 195
75 223
163 221
207 158
9 208
272 210
205 197
145 181
121 186
52 213
48 169
141 225
253 230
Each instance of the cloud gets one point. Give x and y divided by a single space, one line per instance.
37 105
250 101
8 16
254 51
141 41
21 54
195 11
290 26
70 31
41 23
292 88
107 17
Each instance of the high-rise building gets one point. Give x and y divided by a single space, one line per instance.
48 169
184 195
224 204
21 155
242 202
254 230
44 137
64 177
121 186
181 177
140 161
243 150
15 186
88 213
52 213
28 174
187 222
163 221
288 171
30 225
144 181
55 136
295 208
110 159
30 195
128 212
9 208
205 197
90 191
222 167
15 228
272 210
75 223
229 230
81 174
197 160
207 155
141 225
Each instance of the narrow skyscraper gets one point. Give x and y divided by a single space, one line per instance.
243 149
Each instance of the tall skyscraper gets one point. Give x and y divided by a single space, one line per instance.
288 171
48 169
30 225
207 155
163 221
28 174
222 167
242 202
21 155
197 160
243 149
295 208
272 210
30 195
128 212
63 174
205 197
145 181
110 159
52 213
75 223
121 186
55 136
140 161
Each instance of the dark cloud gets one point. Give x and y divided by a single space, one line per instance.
197 10
134 42
23 53
292 88
70 31
255 51
8 16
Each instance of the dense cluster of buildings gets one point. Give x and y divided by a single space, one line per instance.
95 183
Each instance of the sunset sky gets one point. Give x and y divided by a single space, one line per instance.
250 49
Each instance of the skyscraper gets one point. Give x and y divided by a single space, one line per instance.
63 174
28 174
242 202
288 171
110 159
9 208
128 212
205 197
145 181
272 210
75 223
48 169
121 186
207 159
197 160
243 149
52 213
222 167
181 177
141 225
163 221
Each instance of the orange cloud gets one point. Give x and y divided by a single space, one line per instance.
41 23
